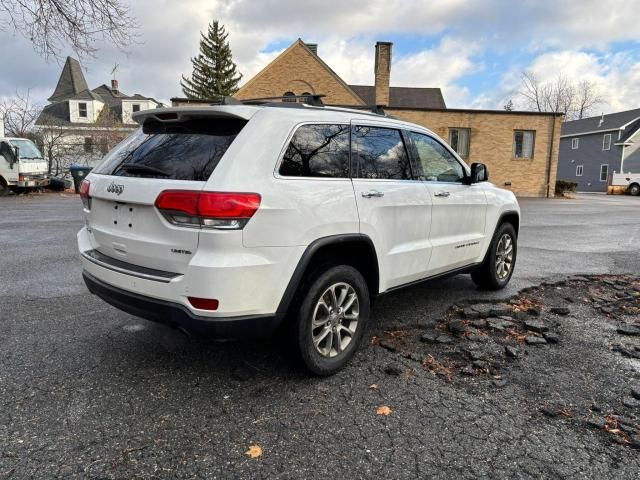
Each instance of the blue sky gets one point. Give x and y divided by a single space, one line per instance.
473 49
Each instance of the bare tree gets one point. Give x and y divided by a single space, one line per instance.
575 101
586 99
19 114
51 25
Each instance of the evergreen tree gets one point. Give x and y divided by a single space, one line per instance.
214 72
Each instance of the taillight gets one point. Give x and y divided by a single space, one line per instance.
219 210
85 186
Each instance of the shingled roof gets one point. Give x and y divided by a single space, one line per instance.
71 81
601 123
404 97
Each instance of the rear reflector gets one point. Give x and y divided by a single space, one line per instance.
220 210
204 303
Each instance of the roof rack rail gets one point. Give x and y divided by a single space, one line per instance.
314 100
377 109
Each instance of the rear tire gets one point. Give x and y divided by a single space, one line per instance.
331 319
634 189
497 268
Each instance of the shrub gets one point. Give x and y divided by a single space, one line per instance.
565 186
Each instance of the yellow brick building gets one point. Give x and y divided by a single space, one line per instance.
520 148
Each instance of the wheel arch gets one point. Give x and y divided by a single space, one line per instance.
512 217
354 249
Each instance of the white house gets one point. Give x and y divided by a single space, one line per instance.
80 125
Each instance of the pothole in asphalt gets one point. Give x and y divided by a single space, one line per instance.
574 337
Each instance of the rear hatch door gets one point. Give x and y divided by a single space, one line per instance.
175 154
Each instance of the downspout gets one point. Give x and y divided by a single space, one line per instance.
550 156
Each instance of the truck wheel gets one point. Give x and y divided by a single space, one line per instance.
634 189
497 267
331 319
4 188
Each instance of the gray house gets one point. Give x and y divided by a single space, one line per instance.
592 149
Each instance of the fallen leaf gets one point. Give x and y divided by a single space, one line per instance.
255 451
373 386
384 410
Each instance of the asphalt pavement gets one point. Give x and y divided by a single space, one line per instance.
87 391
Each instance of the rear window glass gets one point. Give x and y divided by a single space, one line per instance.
188 150
317 151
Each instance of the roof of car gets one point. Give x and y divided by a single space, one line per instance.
299 112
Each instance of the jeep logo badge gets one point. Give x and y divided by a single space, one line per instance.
114 188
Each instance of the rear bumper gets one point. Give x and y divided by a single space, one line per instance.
35 182
177 315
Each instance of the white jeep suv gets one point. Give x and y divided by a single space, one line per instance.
240 219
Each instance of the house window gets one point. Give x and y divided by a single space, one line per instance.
523 143
304 98
579 170
575 143
459 140
604 173
88 144
289 94
135 107
103 145
82 110
606 141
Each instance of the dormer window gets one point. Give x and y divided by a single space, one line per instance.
82 110
135 107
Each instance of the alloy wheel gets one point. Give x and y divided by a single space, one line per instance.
335 319
504 256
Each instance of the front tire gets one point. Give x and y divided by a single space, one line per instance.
634 189
497 268
4 188
331 319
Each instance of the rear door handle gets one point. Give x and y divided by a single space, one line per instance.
372 193
441 194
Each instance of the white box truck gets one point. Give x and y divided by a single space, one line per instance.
22 166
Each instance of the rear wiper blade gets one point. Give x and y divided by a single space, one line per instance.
136 167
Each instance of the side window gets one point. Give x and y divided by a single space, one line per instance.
7 152
436 162
317 151
380 153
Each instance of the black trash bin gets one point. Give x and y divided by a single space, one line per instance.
78 172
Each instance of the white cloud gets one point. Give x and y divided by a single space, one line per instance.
615 75
575 36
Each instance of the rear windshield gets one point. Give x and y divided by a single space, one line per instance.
188 150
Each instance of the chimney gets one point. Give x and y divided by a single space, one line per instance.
114 85
313 47
382 72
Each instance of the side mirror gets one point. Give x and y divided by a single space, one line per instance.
479 173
